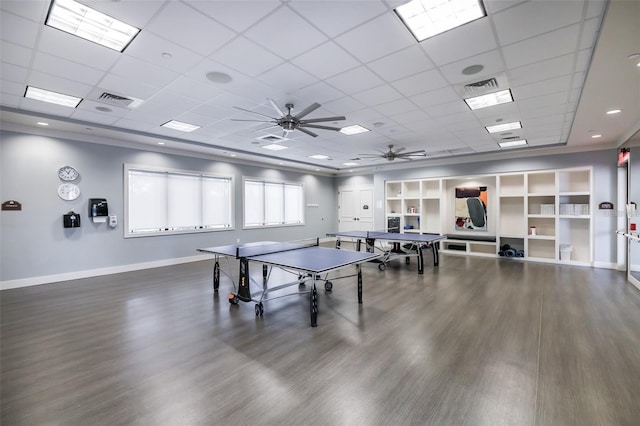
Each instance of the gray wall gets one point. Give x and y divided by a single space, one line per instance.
35 244
604 178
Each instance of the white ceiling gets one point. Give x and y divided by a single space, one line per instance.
566 62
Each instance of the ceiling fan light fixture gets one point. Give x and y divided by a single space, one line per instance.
427 18
353 130
490 99
504 127
87 23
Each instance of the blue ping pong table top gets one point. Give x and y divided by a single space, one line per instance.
311 259
390 236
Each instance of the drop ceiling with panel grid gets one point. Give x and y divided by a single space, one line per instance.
566 63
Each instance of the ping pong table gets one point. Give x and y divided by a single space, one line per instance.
306 259
414 243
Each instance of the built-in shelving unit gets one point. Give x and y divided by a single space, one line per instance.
539 215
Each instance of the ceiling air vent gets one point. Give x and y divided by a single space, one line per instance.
511 138
481 86
117 100
271 138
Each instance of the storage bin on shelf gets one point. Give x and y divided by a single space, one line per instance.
565 252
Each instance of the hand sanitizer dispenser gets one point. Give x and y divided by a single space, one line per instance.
98 209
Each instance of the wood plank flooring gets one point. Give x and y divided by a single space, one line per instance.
474 341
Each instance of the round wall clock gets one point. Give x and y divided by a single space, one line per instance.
68 191
68 173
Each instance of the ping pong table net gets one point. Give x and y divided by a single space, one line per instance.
275 247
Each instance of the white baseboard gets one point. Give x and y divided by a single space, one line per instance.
608 265
47 279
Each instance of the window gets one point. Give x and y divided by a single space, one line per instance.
272 203
162 202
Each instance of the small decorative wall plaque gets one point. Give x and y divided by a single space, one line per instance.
607 205
11 205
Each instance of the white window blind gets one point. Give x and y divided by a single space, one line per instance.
272 203
160 202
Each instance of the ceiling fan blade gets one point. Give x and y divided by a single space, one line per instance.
418 153
307 132
369 156
316 126
275 106
266 128
254 112
314 106
257 121
399 150
318 120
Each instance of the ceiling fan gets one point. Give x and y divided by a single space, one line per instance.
290 122
391 155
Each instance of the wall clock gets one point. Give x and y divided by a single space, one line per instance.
68 173
68 191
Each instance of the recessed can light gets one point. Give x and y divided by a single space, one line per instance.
219 77
42 123
614 111
596 136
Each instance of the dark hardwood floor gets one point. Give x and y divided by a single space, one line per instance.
474 341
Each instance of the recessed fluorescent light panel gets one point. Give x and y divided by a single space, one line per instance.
319 157
490 99
512 144
89 24
179 125
353 130
274 147
504 127
51 97
426 18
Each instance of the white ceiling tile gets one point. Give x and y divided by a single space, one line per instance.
396 107
125 87
355 80
377 38
9 100
334 18
137 125
32 10
468 40
193 89
61 67
57 43
344 105
434 97
536 49
590 33
150 48
133 12
238 15
214 111
90 105
491 61
378 95
287 77
286 33
447 109
10 72
583 60
401 64
189 28
534 18
420 83
595 8
15 54
171 99
18 30
58 84
320 92
247 57
543 101
143 72
552 85
495 6
46 107
544 70
326 60
411 117
93 117
12 88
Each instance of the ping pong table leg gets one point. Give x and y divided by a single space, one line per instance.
359 282
370 245
420 260
338 242
436 256
313 304
216 274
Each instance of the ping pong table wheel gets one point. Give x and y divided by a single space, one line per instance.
328 286
259 309
233 299
382 266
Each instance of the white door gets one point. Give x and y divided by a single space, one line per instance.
355 208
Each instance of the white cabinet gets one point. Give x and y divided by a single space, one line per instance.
536 213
